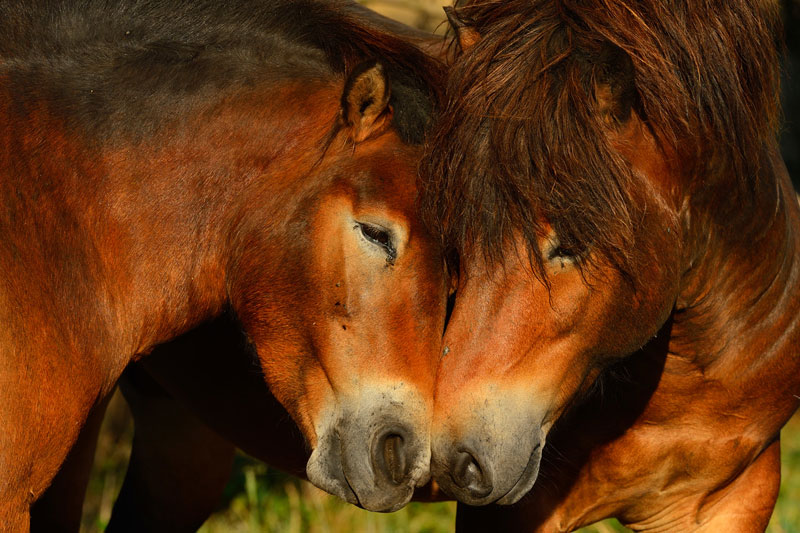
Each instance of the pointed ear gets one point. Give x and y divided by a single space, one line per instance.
365 101
615 89
466 35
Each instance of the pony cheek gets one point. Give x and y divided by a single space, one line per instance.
315 404
636 316
568 310
289 369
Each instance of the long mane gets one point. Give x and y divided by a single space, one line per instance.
522 141
126 66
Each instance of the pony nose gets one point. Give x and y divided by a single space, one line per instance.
390 457
470 476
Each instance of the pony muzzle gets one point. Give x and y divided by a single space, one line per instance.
374 462
488 464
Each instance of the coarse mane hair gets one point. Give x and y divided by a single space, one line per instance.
523 140
128 66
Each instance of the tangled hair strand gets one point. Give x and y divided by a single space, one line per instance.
523 142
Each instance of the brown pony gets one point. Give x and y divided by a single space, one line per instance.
163 162
607 175
194 400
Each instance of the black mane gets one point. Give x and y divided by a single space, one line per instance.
124 66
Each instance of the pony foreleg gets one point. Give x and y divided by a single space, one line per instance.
745 506
178 466
42 416
59 508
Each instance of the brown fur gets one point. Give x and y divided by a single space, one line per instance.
628 146
522 142
151 182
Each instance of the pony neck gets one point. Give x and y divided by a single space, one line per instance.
737 313
221 183
154 224
166 272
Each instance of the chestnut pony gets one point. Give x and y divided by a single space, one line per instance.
163 162
626 321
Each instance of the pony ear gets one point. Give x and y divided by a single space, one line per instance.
466 35
365 101
615 90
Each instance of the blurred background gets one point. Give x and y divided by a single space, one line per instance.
259 499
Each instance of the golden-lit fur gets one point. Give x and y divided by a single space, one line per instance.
626 325
163 163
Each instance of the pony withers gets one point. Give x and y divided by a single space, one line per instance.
163 162
625 327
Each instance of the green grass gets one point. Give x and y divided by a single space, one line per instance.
259 499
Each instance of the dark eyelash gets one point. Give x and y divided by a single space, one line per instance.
560 251
379 236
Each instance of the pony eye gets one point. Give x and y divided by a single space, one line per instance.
378 236
564 255
560 252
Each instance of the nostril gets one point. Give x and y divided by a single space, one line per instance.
390 458
395 457
465 470
468 475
